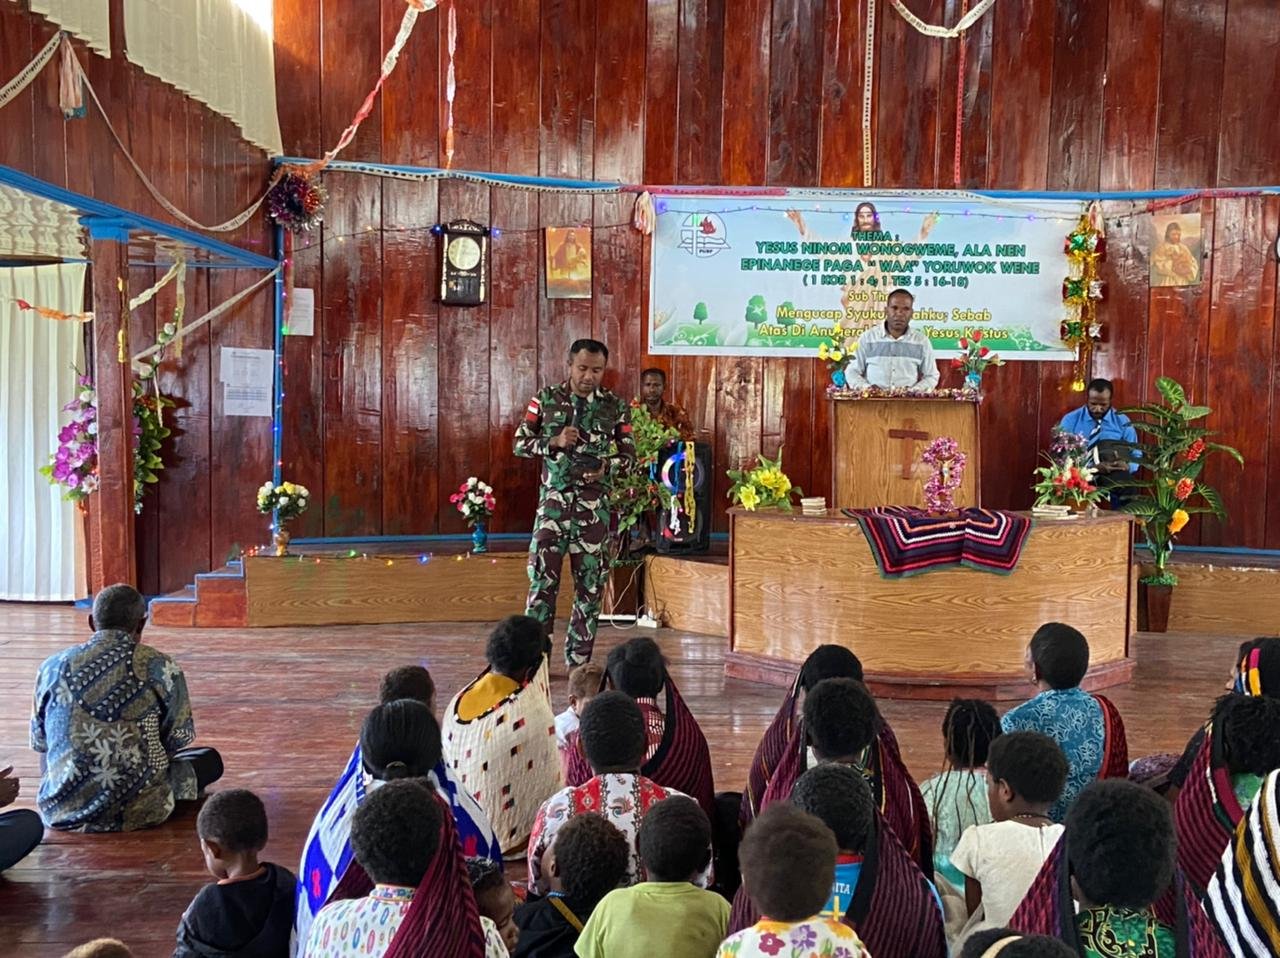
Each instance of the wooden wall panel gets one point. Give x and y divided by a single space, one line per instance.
395 400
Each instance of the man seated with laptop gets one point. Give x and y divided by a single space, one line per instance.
1109 436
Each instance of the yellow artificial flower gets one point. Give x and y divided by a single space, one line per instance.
1177 521
837 355
823 351
838 331
748 498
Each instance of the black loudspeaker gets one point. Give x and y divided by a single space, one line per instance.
678 531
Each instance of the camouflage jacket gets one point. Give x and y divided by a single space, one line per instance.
606 429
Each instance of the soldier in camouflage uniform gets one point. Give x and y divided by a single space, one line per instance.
582 433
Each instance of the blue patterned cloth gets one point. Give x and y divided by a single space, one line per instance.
108 714
327 851
1073 719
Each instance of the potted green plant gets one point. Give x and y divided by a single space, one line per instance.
1169 489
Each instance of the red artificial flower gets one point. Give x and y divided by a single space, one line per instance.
957 363
977 335
1196 450
983 351
964 343
1183 489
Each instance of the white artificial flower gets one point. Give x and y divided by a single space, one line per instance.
170 329
284 500
92 428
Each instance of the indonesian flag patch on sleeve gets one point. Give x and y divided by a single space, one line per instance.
534 412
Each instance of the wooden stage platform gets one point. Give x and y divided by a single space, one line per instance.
284 706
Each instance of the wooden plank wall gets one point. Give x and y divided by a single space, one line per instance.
396 400
201 511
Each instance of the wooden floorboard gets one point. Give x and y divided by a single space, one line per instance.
284 705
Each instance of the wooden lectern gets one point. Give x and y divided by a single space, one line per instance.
876 445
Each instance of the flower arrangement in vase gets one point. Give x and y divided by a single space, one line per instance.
837 352
764 484
287 501
1171 490
974 359
949 462
474 499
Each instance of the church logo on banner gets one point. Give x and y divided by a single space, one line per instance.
703 235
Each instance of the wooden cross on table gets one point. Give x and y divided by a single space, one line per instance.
909 434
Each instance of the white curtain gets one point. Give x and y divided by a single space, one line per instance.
221 52
38 356
90 20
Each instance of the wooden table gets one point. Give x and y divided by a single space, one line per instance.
797 582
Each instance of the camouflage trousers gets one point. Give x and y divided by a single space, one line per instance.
576 521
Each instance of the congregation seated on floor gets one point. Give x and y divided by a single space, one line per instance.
840 850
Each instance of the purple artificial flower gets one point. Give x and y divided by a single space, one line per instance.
73 480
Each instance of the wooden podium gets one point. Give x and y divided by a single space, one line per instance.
876 445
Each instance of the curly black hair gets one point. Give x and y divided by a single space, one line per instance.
1250 729
788 860
611 728
1031 764
829 662
396 832
484 874
516 646
1026 946
235 819
1120 843
840 718
674 840
591 856
408 682
636 667
1060 654
968 729
400 739
841 798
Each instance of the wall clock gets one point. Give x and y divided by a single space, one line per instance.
464 263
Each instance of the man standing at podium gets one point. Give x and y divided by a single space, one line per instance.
893 355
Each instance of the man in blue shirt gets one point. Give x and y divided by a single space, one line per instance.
1099 422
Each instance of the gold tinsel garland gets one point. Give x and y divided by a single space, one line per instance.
1082 290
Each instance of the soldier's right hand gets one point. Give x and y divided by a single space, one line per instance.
569 436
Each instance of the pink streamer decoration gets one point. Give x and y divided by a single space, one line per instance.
450 88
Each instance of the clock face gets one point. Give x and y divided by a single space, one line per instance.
464 253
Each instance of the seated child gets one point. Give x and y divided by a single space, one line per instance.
249 910
1117 859
788 862
587 860
667 914
957 796
1000 860
406 847
584 682
494 897
1007 943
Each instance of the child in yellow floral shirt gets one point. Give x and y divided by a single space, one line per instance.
788 860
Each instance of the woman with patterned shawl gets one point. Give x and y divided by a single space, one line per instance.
403 736
1116 859
824 662
676 753
840 723
1087 727
1240 746
441 918
499 731
1244 896
878 890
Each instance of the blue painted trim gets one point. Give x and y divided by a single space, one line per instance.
108 228
462 537
1220 550
277 409
338 166
93 207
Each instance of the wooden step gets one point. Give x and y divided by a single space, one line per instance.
216 600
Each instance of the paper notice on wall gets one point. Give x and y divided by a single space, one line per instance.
301 320
247 378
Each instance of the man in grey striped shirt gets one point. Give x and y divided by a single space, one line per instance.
893 355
